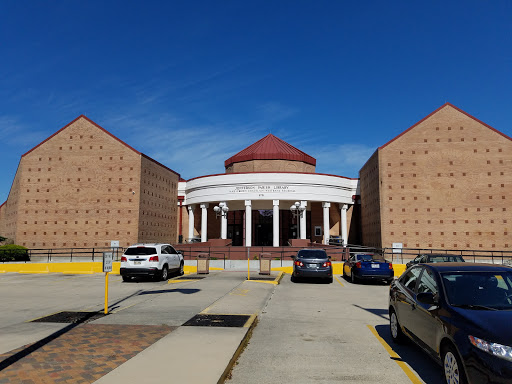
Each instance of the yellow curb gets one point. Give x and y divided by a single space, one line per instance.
250 324
410 374
264 282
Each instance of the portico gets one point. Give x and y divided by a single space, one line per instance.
270 195
263 202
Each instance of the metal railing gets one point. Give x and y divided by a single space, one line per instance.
403 255
54 254
224 253
240 253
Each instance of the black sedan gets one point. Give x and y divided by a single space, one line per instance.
460 314
435 258
312 263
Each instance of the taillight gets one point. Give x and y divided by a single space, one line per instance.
327 264
390 265
153 258
358 264
123 259
299 263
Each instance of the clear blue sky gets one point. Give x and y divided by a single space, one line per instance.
191 83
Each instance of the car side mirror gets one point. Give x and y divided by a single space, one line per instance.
293 257
179 252
329 257
426 298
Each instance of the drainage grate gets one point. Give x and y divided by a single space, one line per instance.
217 321
195 277
70 317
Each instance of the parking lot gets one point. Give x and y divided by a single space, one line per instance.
306 332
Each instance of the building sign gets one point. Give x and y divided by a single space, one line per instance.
397 247
273 188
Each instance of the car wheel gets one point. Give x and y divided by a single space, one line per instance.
344 274
294 279
452 365
394 326
164 275
353 278
126 278
181 272
330 280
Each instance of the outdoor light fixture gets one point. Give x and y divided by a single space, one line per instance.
297 210
221 209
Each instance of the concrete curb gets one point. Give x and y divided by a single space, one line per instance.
252 322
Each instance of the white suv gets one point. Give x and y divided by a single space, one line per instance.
152 260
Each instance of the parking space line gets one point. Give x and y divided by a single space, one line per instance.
410 374
338 280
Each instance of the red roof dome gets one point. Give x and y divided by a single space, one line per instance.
270 148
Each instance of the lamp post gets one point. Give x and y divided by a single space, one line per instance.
297 210
222 210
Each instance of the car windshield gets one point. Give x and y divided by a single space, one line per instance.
479 290
140 251
312 253
364 257
445 258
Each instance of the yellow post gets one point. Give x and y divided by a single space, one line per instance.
106 293
248 263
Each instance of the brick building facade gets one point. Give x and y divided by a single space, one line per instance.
83 187
446 182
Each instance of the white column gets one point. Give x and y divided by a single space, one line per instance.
248 223
275 226
327 227
223 222
204 222
344 231
303 220
190 221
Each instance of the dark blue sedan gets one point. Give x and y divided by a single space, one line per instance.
369 267
461 315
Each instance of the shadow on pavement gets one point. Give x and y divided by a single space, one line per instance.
185 291
311 280
382 313
426 368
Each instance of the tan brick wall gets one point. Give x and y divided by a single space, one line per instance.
370 202
9 210
82 188
158 203
76 190
447 183
271 165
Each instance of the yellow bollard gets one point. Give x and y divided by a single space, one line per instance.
106 293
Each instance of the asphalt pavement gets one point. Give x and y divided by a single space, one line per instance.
292 332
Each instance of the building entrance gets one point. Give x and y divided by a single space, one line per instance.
236 228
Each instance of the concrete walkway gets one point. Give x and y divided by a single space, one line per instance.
143 338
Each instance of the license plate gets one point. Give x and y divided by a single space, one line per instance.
312 265
375 265
137 262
